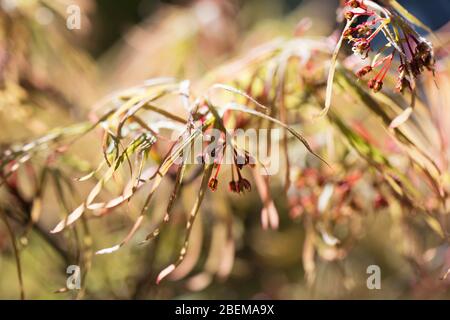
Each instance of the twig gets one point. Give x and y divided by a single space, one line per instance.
16 254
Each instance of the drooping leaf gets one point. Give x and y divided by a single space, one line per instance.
193 215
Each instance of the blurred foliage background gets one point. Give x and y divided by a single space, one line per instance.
53 77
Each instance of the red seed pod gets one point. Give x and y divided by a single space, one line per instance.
363 71
244 185
348 33
364 30
213 184
363 45
378 86
232 185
